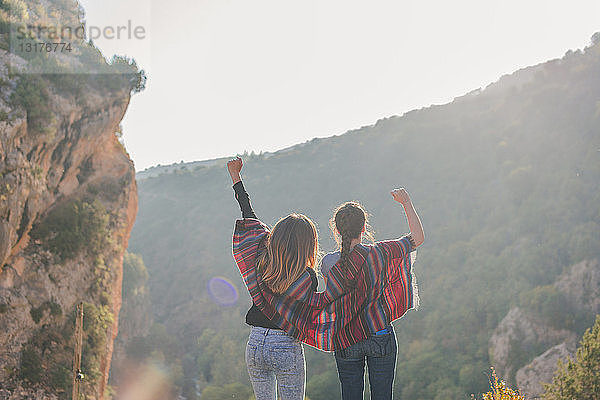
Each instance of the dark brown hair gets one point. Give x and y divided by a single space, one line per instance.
349 220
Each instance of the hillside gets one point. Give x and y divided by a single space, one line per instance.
505 179
68 200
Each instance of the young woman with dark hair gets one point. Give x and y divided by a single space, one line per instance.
349 225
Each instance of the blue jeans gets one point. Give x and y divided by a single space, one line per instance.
380 354
275 360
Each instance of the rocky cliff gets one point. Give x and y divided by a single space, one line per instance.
68 201
526 345
518 335
532 377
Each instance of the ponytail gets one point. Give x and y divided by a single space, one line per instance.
347 224
345 249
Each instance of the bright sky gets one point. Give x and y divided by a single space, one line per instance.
232 75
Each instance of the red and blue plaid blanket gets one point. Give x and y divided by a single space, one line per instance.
383 290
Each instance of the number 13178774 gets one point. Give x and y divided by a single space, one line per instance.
48 47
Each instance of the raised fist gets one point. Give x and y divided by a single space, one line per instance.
234 166
401 196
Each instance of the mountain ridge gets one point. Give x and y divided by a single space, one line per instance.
506 183
505 82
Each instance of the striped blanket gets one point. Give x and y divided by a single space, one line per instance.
383 290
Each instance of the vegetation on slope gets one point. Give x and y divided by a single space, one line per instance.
506 181
580 378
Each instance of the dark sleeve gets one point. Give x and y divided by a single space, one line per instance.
243 200
313 278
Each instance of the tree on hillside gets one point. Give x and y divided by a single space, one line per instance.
579 379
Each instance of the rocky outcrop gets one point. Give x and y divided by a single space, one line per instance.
581 286
521 337
77 160
19 393
530 378
520 334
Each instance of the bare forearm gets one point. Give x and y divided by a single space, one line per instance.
414 223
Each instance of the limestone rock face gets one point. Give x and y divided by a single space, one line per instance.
530 378
519 332
19 393
78 157
520 335
581 286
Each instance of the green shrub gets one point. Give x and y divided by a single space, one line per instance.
580 378
130 71
547 303
54 308
103 277
38 312
96 323
135 274
15 8
107 189
60 378
46 357
122 73
31 364
73 227
31 93
3 308
37 171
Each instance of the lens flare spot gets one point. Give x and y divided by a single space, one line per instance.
146 381
222 291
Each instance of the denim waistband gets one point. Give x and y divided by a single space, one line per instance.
258 330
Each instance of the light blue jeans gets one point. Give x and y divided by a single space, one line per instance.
275 363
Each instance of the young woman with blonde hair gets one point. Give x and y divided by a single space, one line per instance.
275 360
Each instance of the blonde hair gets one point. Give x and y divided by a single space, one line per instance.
292 246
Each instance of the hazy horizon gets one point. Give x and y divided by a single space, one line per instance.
225 77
